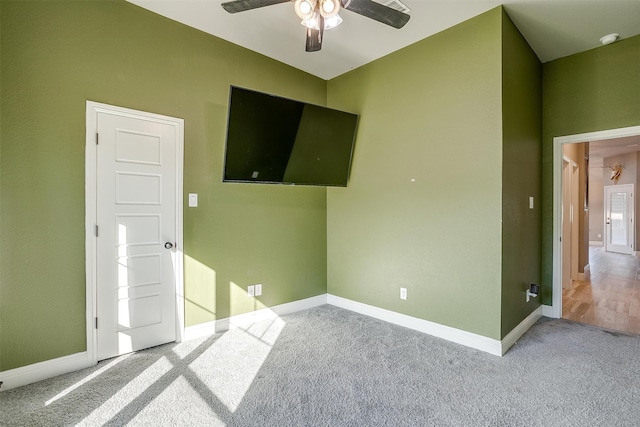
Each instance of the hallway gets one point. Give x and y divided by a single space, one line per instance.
610 295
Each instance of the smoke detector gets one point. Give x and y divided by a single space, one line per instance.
609 38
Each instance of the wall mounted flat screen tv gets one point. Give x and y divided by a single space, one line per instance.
275 140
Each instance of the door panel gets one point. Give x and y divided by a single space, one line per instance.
142 189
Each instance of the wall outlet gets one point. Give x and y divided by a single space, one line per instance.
599 236
258 289
532 291
403 293
251 291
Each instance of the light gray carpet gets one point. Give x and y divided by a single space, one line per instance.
331 367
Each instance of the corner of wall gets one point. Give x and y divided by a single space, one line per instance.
1 109
521 175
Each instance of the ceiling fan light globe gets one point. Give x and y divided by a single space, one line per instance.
311 23
332 22
314 23
329 8
304 8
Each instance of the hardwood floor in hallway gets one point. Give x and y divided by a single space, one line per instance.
610 296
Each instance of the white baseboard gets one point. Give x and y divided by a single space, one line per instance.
42 370
548 311
62 365
517 332
200 330
448 333
246 319
50 368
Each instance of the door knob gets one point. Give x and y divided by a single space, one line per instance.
168 245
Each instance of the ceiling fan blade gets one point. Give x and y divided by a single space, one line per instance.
314 37
378 12
242 5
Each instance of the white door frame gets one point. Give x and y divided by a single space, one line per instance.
556 307
631 208
577 212
92 110
569 220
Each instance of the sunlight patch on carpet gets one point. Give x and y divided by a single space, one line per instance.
238 355
185 403
86 379
127 394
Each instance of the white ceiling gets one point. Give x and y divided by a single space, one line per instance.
598 150
553 28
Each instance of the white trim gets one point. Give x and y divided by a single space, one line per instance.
92 110
89 224
51 368
558 141
43 370
178 260
587 272
596 243
517 332
246 319
448 333
547 311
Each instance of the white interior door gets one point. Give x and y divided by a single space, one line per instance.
137 229
619 218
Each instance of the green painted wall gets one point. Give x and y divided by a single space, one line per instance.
521 175
0 191
55 56
445 125
431 113
591 91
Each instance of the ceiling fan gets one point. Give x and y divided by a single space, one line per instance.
320 15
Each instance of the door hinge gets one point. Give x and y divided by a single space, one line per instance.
96 323
96 230
97 137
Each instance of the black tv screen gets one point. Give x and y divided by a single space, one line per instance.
276 140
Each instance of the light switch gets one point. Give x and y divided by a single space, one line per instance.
530 202
193 200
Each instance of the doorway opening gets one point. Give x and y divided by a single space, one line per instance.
606 290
